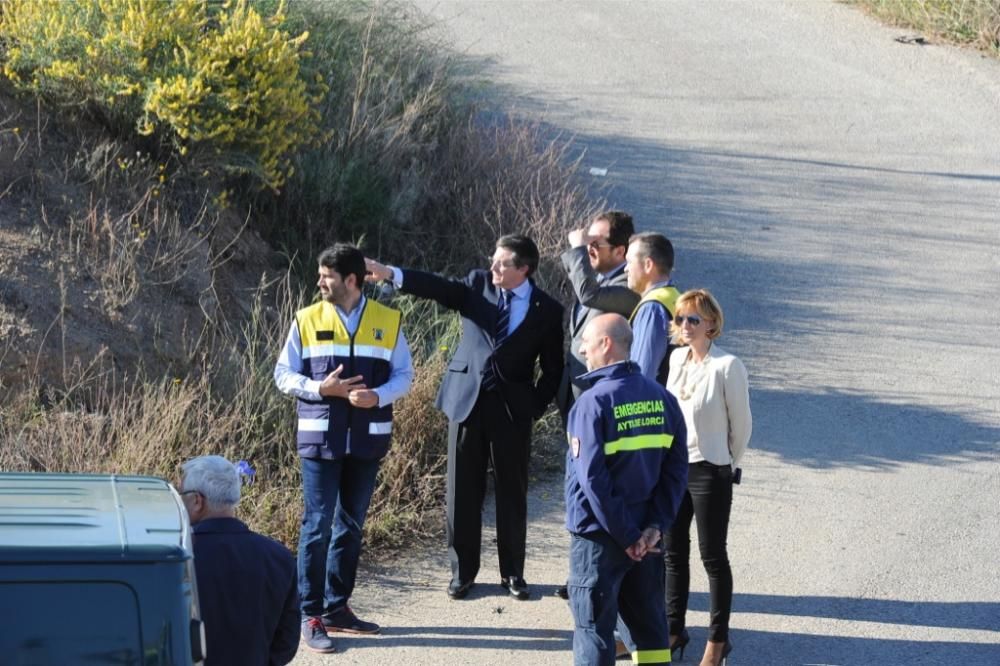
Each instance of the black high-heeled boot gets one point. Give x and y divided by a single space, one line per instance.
677 647
724 658
725 654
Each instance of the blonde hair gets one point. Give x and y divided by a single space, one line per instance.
702 302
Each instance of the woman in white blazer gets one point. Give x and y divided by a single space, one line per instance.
711 386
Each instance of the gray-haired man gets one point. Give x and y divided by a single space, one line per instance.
247 586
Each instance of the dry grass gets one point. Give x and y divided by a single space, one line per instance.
410 167
971 22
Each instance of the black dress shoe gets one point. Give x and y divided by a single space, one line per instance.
516 586
562 592
459 589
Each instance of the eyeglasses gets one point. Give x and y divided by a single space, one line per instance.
597 244
189 492
503 264
694 320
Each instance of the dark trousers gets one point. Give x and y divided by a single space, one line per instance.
336 494
708 500
487 437
603 583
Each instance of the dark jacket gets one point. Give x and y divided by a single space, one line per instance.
248 593
594 297
626 468
538 338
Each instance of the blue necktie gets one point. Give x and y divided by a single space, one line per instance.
499 335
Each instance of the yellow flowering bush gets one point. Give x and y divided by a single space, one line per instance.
221 82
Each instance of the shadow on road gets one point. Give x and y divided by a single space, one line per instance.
806 255
813 648
465 637
978 615
858 431
790 649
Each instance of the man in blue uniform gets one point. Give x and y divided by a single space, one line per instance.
626 470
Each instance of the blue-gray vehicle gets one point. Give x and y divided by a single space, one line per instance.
96 569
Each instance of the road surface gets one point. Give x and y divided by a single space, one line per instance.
840 193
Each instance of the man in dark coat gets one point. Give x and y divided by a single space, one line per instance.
247 587
595 265
490 396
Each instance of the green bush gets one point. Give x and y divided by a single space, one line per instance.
222 87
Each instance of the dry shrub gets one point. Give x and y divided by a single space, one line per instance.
101 422
411 479
972 22
425 178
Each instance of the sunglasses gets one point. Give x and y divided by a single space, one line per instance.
694 320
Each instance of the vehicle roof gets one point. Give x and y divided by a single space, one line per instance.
63 517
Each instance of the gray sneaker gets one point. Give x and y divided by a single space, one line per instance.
314 636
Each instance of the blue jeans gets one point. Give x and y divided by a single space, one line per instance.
336 494
603 582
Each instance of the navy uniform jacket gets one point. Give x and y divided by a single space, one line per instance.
626 468
248 593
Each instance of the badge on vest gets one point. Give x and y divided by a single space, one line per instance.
378 333
575 444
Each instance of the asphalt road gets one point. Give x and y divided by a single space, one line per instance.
840 193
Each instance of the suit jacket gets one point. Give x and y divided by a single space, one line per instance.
248 594
538 338
594 298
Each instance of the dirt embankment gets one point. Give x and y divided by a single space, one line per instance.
102 262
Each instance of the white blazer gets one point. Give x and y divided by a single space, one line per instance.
716 406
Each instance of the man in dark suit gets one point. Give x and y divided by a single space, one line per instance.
491 398
247 587
595 265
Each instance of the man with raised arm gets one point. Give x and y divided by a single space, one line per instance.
595 265
491 398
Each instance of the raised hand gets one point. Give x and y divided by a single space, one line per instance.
376 272
578 237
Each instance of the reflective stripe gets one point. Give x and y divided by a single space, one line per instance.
660 441
326 350
651 657
314 425
344 351
383 428
372 351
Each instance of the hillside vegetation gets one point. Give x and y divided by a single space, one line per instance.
974 23
168 172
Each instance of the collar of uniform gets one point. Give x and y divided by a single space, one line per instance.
662 283
219 525
619 369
